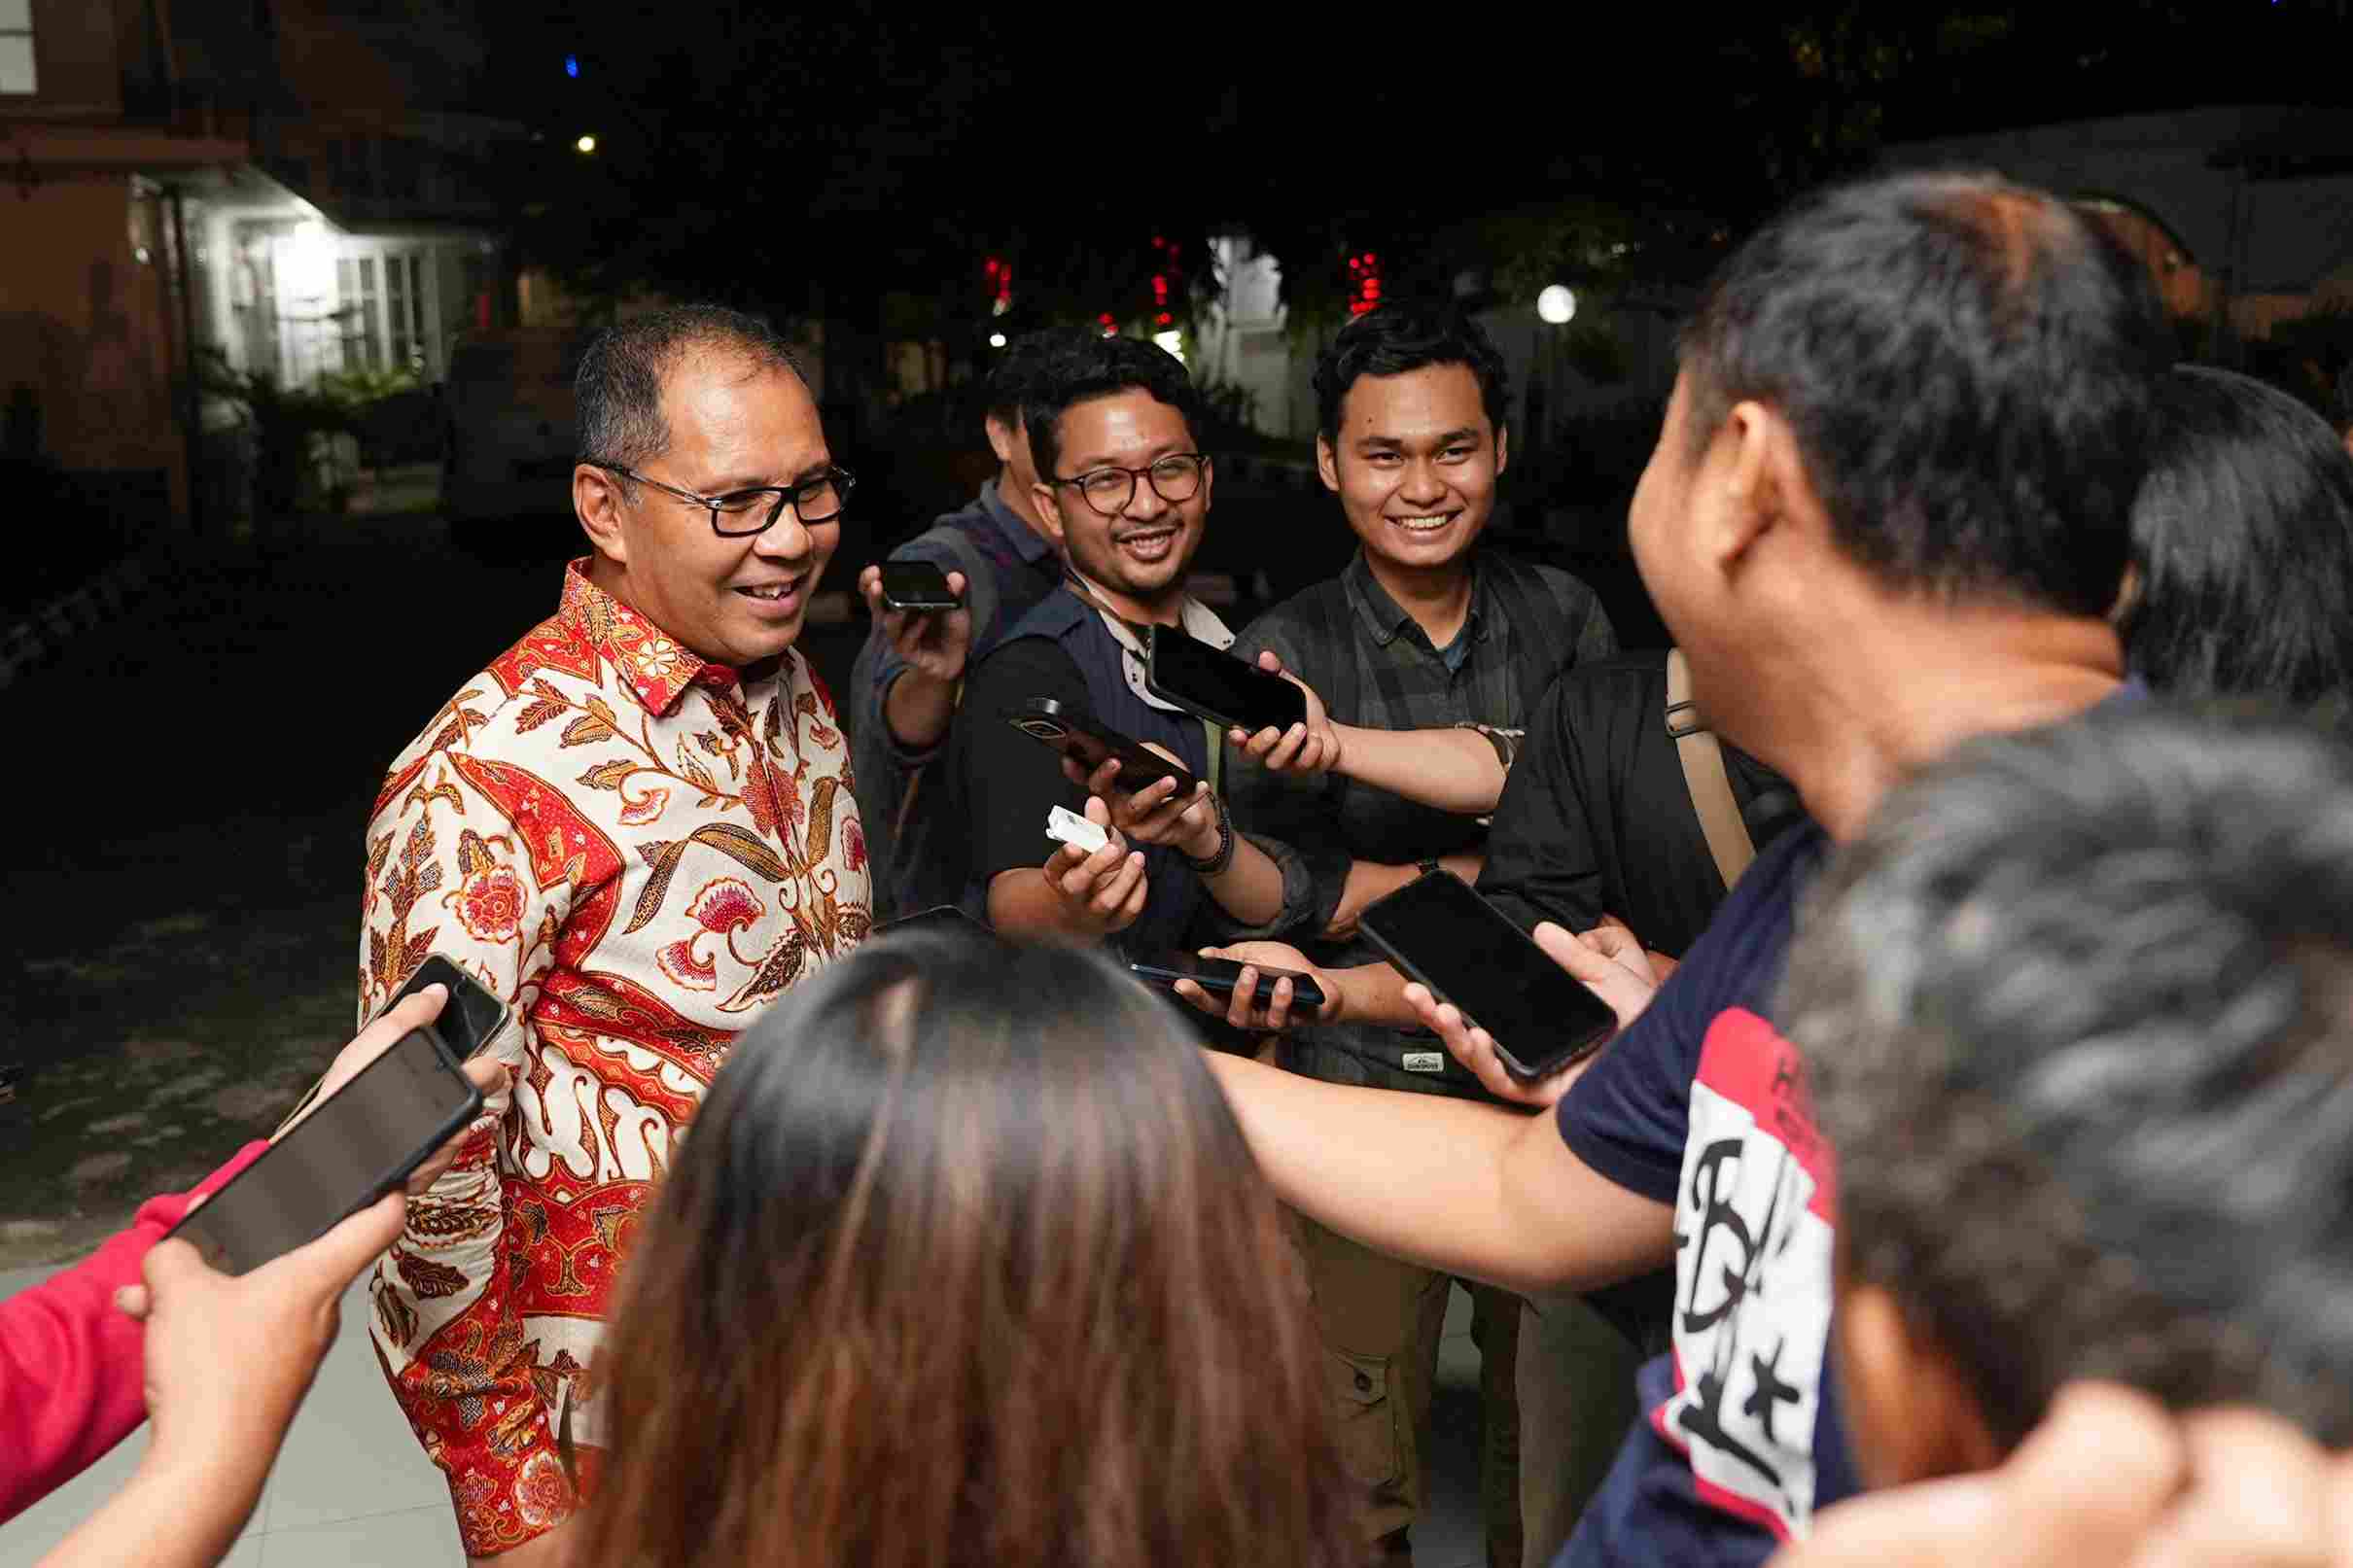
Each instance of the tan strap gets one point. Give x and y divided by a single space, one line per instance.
1703 775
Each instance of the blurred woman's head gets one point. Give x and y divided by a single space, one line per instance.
2243 544
966 1261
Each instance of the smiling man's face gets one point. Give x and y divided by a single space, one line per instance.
733 426
1415 465
1142 550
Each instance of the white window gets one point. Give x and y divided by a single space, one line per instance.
388 307
17 73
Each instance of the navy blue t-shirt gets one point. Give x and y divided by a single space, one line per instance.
1702 1103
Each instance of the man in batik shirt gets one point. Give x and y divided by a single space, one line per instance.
635 826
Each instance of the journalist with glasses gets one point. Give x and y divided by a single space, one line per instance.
634 829
1124 489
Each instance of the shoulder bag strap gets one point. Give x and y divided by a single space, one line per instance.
1703 775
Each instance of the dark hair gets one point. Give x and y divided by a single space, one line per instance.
2078 1013
1077 366
1408 336
1966 365
2244 534
966 1261
619 383
1014 373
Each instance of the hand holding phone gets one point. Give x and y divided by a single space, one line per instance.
1465 951
922 613
1217 686
1080 737
396 1099
1219 978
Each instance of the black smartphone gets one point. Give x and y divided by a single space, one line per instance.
470 1016
916 585
938 917
359 1144
1438 930
1218 686
1076 734
1218 977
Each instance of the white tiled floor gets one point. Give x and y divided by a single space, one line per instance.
351 1487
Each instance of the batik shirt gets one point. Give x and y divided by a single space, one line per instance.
638 851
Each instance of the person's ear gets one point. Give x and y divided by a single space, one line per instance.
1000 438
1503 448
1049 512
1760 484
1327 464
597 500
1912 1410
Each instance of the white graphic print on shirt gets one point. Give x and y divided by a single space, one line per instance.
1754 1220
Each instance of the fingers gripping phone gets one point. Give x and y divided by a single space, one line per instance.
470 1016
1077 735
917 585
1437 931
1219 976
359 1144
1217 686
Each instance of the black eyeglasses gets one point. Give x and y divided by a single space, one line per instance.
1174 478
740 513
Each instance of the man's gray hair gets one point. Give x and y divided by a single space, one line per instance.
619 384
2077 1012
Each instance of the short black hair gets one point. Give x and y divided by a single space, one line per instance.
2077 1010
1014 372
1967 365
1405 336
618 387
2244 534
1077 366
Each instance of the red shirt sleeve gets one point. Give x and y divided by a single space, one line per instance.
72 1368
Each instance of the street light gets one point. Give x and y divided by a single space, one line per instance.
1556 304
587 144
996 340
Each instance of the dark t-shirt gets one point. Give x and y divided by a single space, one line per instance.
1702 1103
1597 815
1007 781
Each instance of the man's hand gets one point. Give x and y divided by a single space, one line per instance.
1101 892
1240 1010
1608 958
934 642
486 1074
228 1360
2111 1480
1305 749
1155 814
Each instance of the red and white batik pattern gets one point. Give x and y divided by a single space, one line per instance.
639 850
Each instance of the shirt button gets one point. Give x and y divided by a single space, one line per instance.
1364 1384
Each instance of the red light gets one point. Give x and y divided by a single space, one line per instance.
989 267
1108 319
1159 243
1354 266
1369 259
1166 318
1371 288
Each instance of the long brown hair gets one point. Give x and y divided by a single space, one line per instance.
966 1262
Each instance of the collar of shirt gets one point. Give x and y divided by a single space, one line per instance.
1197 620
1027 541
1387 620
657 669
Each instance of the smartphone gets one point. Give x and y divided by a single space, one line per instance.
916 585
1218 686
359 1144
1437 931
470 1016
939 917
1076 734
1217 977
